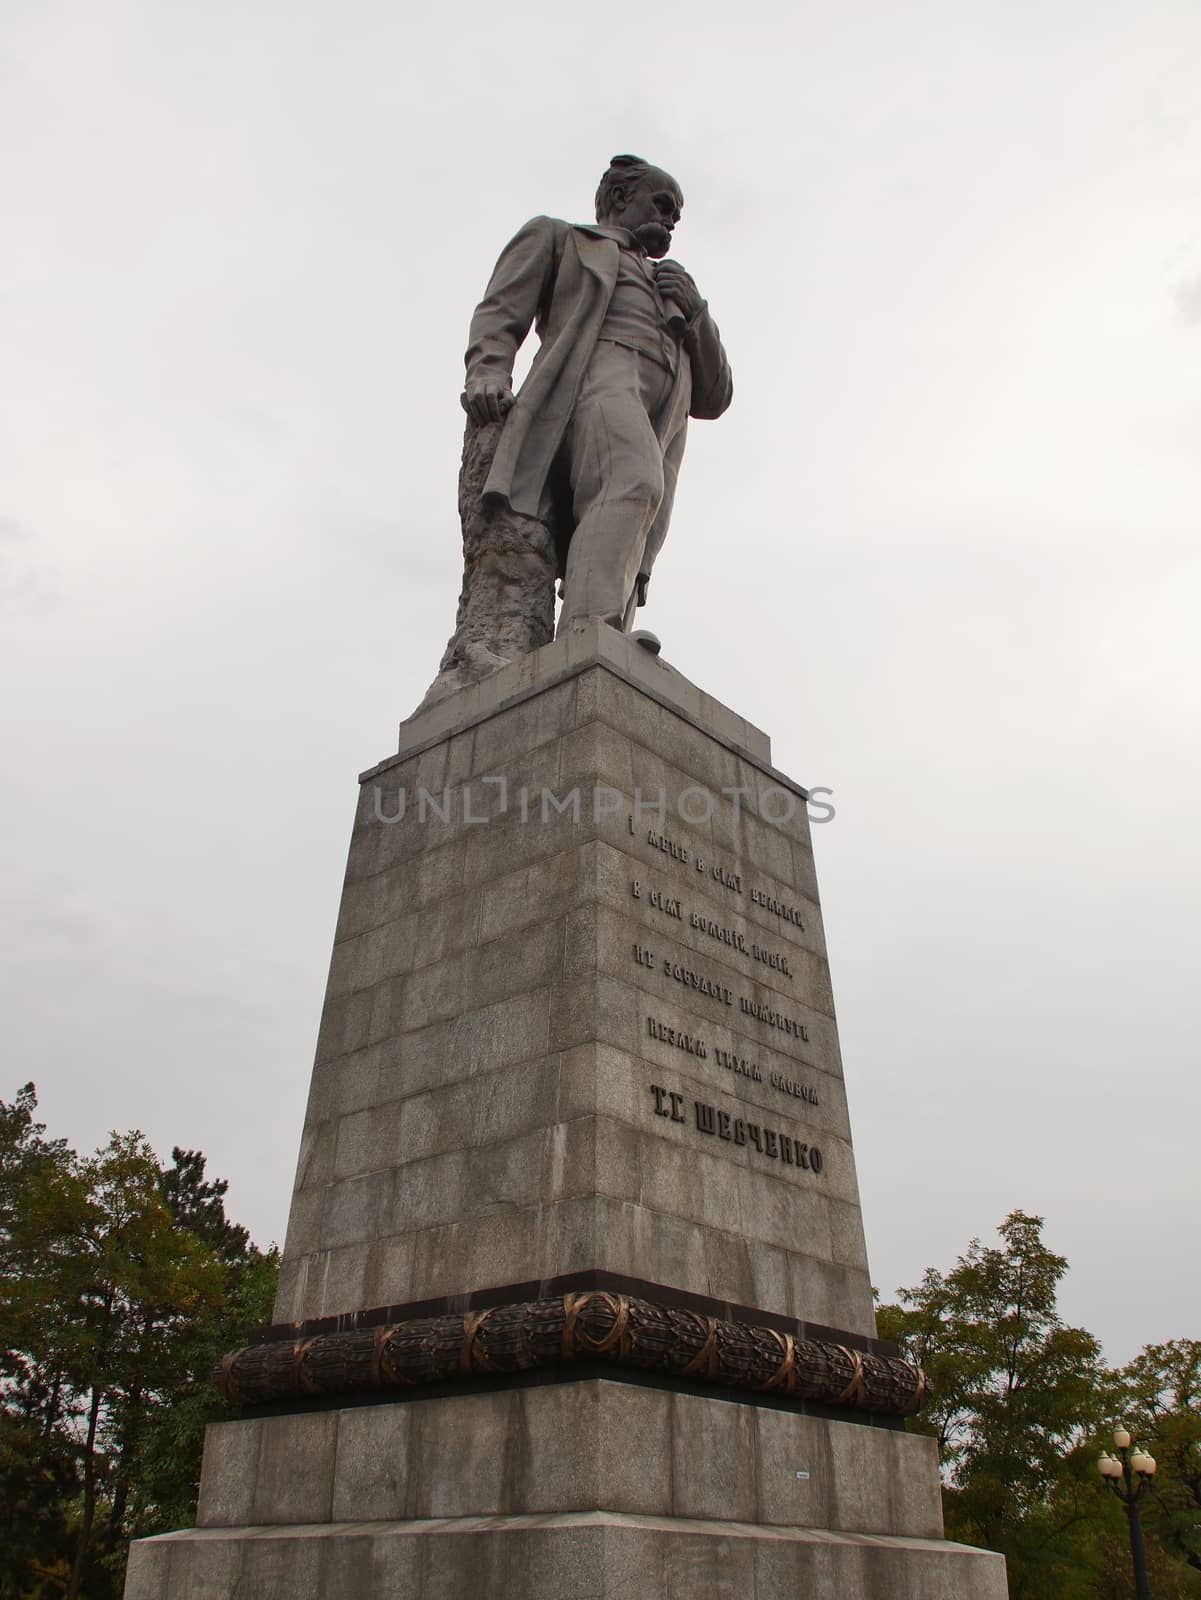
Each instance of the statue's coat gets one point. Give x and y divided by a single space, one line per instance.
560 277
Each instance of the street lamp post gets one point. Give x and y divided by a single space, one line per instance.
1130 1477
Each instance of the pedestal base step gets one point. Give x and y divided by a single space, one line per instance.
570 1556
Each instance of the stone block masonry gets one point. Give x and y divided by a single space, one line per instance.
574 1297
564 876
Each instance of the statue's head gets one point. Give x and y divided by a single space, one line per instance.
642 198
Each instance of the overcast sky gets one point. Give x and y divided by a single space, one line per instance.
943 547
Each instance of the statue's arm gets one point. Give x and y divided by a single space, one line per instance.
521 282
712 381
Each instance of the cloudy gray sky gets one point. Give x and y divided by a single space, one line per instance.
943 547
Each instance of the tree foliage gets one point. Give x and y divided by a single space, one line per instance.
121 1283
1158 1396
1020 1410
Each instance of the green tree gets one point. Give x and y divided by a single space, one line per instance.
38 1479
164 1469
1017 1402
1158 1397
121 1283
1170 1580
123 1297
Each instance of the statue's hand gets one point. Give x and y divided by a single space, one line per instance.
675 284
487 400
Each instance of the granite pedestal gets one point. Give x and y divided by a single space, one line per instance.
578 1040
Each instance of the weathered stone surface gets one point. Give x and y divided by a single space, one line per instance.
507 602
590 1555
564 661
483 944
481 1114
230 1473
149 1572
295 1469
588 1445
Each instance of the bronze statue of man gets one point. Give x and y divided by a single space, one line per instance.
574 476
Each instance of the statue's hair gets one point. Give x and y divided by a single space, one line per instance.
623 171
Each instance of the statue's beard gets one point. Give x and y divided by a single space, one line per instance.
654 239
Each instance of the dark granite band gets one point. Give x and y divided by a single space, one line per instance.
591 1326
584 1281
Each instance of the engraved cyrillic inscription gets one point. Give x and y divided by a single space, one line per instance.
737 1064
729 879
697 980
714 1123
715 930
773 1018
723 875
702 984
802 1091
781 908
656 898
729 1060
668 1103
772 959
768 1142
660 841
688 1042
732 938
